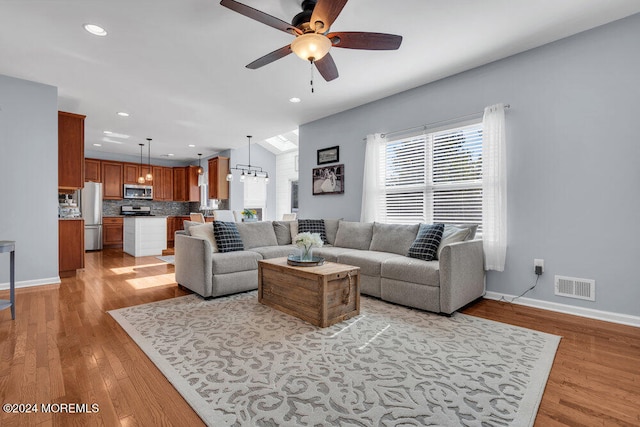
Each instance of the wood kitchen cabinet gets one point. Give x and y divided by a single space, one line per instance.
70 151
218 184
162 183
70 246
92 170
174 223
185 184
130 173
112 176
112 232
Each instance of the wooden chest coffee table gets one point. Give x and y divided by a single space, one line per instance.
322 295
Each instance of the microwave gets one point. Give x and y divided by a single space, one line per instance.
134 191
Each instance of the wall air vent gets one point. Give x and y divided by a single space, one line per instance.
572 287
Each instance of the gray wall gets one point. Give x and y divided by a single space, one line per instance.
29 180
573 158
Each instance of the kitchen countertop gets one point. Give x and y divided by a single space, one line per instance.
71 219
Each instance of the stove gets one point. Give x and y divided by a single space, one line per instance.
136 211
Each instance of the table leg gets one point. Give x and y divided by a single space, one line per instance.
12 283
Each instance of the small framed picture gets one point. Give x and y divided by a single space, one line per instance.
329 155
328 180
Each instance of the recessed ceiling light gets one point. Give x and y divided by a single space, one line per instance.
170 154
294 100
191 146
123 114
96 30
107 132
97 145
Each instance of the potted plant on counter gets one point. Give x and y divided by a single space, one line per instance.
249 215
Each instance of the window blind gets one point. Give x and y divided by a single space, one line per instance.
435 177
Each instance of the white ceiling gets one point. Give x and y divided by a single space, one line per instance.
178 66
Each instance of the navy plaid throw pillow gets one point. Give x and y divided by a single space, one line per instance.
426 244
312 226
227 236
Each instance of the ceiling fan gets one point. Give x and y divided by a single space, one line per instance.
313 39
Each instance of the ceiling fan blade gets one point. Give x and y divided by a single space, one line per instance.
327 68
270 57
325 12
368 41
260 16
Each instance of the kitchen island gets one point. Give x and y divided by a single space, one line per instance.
145 235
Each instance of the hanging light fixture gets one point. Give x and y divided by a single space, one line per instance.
200 169
149 176
248 170
141 177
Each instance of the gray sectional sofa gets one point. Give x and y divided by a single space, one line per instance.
444 285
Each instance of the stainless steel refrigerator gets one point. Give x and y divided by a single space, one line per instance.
91 200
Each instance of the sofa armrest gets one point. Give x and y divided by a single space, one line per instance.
461 274
193 264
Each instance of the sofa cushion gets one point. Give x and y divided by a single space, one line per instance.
232 262
186 224
256 234
205 231
312 226
354 235
283 232
394 238
455 233
425 247
330 253
412 270
227 236
330 229
275 251
294 229
368 261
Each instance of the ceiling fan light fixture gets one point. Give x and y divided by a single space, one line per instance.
311 46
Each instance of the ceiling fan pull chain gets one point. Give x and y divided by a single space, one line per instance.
311 63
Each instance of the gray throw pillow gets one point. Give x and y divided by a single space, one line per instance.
205 231
394 238
354 235
257 234
188 224
283 232
425 246
453 234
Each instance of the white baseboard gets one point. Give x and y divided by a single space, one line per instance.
607 316
30 283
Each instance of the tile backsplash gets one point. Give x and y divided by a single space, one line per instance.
112 207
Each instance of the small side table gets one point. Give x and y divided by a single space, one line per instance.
10 246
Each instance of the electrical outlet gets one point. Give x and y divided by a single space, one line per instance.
538 266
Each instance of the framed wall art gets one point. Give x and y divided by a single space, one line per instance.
329 155
328 180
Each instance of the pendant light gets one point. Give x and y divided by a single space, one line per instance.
149 176
200 169
249 170
141 177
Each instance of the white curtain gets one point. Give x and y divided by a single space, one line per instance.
494 188
373 181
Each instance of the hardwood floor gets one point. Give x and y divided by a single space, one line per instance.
64 348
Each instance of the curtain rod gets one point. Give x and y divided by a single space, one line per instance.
426 126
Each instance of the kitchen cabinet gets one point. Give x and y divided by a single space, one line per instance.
162 183
112 232
130 173
185 184
174 223
70 246
112 173
92 170
70 151
218 184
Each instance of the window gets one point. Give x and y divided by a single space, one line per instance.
255 194
434 177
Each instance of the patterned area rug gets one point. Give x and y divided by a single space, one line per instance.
169 259
238 362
